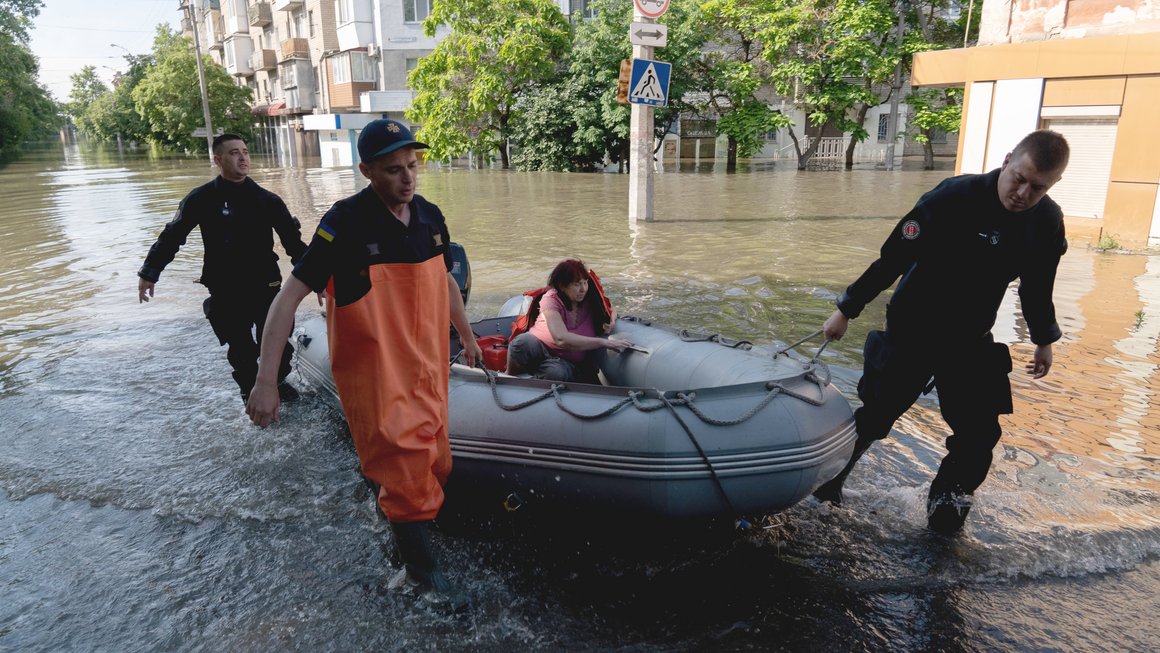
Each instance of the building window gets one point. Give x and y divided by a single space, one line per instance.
415 11
883 127
340 69
230 55
770 136
583 8
310 21
351 67
361 68
344 11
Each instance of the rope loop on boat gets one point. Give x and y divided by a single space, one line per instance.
556 387
491 381
687 336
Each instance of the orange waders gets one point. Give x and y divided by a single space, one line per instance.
389 353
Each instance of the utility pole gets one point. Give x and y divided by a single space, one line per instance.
194 22
640 146
892 121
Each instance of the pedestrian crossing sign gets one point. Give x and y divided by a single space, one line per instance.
650 82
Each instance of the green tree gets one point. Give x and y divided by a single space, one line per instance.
468 88
169 101
936 108
822 53
87 89
27 110
601 126
734 75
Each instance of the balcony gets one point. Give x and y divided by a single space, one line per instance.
298 48
287 5
263 60
298 101
384 101
260 14
237 54
215 30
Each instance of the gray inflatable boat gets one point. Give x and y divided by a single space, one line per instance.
682 427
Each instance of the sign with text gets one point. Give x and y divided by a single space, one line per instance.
651 8
650 34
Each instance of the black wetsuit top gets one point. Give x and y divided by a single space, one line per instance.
235 220
957 252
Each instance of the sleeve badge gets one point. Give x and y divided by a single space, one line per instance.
910 229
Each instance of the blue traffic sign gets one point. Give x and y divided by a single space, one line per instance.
650 82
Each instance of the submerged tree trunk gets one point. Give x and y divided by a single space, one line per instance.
862 110
927 155
731 158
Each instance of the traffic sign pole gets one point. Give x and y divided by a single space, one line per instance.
641 137
640 167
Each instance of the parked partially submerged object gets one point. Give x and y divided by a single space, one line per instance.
682 427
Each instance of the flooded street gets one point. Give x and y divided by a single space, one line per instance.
141 511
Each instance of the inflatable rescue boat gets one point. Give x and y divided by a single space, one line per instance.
682 426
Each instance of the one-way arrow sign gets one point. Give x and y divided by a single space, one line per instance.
650 34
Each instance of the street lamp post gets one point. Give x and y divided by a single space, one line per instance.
188 5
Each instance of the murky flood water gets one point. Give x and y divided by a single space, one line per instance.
139 509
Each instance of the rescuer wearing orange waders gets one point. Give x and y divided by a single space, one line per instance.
382 258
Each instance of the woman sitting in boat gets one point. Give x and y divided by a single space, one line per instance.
568 325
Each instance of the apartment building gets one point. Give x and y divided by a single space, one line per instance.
1089 69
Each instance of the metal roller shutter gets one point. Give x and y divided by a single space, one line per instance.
1084 186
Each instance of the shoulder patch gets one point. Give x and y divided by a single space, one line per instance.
910 229
325 232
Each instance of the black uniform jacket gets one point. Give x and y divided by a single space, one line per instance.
236 220
957 252
360 231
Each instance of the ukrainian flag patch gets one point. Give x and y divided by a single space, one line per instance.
325 232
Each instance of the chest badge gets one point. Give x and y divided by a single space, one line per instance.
910 229
225 208
992 237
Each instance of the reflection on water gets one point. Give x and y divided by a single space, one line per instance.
139 510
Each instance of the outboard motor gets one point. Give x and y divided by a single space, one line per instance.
461 270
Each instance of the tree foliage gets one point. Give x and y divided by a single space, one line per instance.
936 108
733 74
27 110
87 89
468 88
822 51
583 121
168 97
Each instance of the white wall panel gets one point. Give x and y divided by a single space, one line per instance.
978 118
1015 113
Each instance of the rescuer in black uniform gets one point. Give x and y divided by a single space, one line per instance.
957 251
240 269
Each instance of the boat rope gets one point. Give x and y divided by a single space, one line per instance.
705 457
688 336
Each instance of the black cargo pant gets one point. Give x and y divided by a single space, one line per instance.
973 390
237 318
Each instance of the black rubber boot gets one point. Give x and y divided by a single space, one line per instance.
286 392
831 490
423 570
946 512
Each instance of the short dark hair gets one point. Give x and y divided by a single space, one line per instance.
218 141
564 273
1048 150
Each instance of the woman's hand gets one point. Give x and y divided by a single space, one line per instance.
619 344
